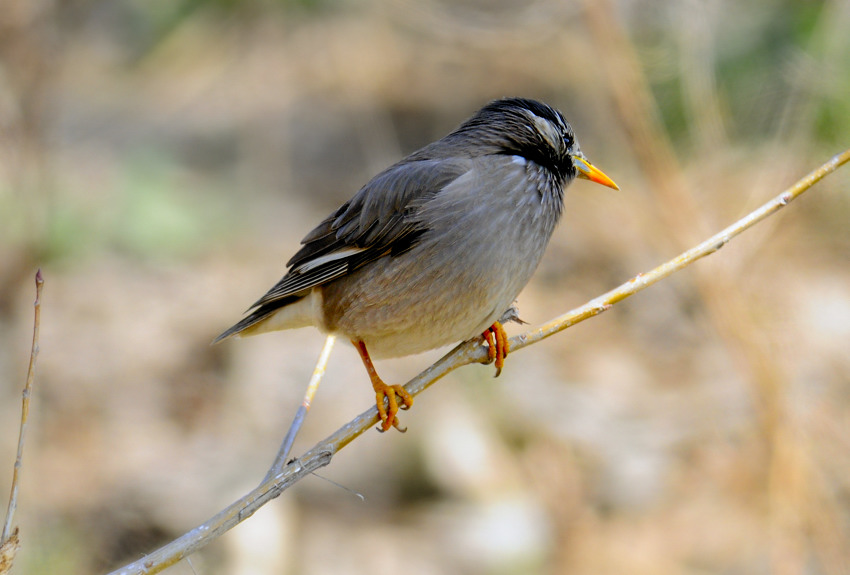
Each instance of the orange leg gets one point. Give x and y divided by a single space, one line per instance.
387 412
498 345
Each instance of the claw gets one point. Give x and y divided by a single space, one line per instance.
388 411
498 345
491 344
386 396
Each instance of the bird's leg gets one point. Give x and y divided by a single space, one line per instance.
498 345
387 412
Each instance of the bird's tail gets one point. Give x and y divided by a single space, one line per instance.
257 316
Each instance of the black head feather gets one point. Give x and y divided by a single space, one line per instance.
522 127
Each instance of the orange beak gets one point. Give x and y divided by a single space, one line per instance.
588 171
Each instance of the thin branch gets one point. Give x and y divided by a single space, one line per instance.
468 352
8 532
298 421
705 248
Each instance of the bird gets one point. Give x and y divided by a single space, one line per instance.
434 249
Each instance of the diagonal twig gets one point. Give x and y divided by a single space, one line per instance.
467 352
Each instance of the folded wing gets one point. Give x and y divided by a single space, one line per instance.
380 220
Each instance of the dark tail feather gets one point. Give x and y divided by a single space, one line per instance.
256 317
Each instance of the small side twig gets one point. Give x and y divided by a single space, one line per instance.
298 421
9 537
465 353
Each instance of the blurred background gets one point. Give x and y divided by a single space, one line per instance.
161 159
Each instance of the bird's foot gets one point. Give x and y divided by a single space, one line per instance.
388 411
498 345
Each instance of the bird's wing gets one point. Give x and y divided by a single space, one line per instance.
379 220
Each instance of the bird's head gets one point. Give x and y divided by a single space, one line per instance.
536 132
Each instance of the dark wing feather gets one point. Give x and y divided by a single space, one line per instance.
379 220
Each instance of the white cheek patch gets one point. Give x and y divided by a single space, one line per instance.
548 131
552 137
518 160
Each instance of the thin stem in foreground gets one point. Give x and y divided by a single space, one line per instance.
25 410
468 352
